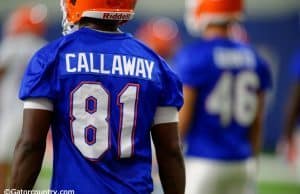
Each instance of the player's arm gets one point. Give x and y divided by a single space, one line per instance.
4 168
256 129
169 156
293 113
30 148
186 113
2 71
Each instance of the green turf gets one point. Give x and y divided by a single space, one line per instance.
44 178
278 188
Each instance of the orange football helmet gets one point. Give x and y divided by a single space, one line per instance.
27 19
200 13
74 10
160 34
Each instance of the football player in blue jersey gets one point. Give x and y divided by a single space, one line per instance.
103 93
224 88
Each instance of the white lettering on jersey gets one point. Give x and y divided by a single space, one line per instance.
140 68
117 65
68 63
129 65
233 58
82 63
121 65
103 70
149 67
93 69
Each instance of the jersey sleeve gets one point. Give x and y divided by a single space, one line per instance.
171 93
265 75
166 115
38 80
190 72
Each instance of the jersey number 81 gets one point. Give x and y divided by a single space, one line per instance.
90 117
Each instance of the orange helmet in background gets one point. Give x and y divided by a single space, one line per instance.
200 13
74 10
27 19
161 34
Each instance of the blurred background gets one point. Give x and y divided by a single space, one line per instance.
273 27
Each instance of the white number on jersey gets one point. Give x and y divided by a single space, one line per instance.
90 109
234 97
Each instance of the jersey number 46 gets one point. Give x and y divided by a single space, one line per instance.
234 97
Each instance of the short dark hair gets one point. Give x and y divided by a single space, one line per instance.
223 24
86 20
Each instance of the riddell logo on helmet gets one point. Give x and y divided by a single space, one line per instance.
116 16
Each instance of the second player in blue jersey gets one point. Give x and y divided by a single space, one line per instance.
228 76
225 82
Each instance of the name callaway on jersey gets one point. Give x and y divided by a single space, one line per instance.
109 64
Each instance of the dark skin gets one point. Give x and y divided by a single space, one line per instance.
4 171
293 113
4 166
2 72
256 129
186 114
30 148
169 157
102 25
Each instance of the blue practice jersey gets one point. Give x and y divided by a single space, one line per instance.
227 76
105 88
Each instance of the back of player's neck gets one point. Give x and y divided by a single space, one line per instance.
102 28
214 32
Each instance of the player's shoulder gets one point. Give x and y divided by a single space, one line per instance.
144 49
249 50
196 45
50 51
50 48
194 54
46 55
246 46
260 60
